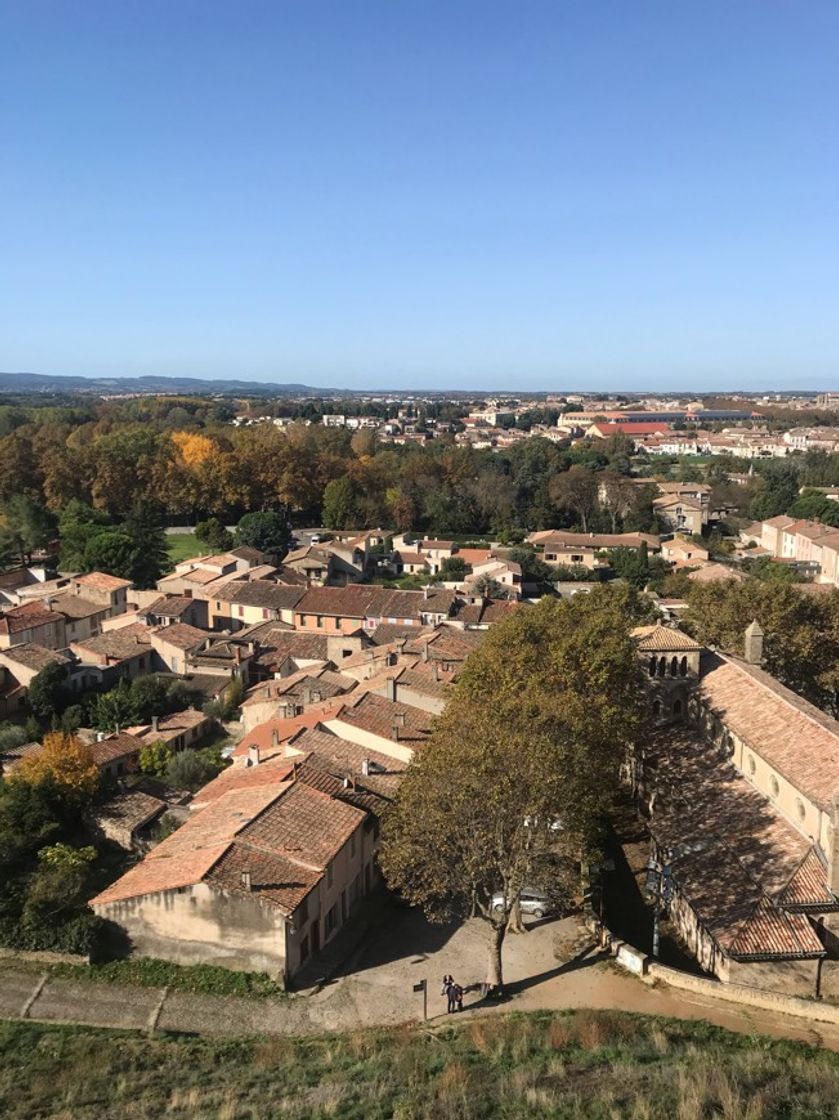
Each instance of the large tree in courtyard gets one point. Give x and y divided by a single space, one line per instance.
512 788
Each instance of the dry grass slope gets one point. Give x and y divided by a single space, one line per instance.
573 1066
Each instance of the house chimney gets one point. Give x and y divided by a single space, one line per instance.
425 591
753 644
435 670
253 755
155 724
365 767
399 719
247 882
395 731
275 738
237 654
390 687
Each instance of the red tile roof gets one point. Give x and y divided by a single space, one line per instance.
382 717
26 616
102 581
183 858
794 737
181 635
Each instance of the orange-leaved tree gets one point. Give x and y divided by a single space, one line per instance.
63 759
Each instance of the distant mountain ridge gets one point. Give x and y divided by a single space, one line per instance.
199 386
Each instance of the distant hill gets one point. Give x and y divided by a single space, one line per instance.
188 386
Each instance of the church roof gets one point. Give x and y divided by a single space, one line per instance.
662 638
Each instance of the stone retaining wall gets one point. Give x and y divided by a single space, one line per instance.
650 971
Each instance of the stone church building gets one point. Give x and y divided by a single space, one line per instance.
739 783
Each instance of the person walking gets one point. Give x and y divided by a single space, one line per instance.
451 995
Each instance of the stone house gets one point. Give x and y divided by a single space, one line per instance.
249 603
261 879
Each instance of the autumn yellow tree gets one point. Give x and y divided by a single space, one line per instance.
63 759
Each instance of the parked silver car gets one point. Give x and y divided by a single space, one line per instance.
531 901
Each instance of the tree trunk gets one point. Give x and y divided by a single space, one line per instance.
515 924
495 974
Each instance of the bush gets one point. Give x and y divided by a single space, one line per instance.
192 769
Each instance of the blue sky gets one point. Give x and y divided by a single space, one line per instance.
429 194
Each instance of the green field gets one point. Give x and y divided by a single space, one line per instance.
183 546
586 1065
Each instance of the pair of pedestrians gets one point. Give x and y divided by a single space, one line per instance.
453 993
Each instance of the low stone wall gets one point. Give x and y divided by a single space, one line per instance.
813 1009
650 971
43 957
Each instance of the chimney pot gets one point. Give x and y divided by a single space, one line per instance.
365 767
275 738
247 882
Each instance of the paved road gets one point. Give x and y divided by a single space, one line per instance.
377 990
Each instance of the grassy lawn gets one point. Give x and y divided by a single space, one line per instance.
183 546
586 1065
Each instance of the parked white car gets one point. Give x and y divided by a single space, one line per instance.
531 901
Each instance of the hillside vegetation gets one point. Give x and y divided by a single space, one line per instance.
597 1066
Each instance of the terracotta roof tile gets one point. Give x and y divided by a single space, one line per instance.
794 737
121 644
102 581
304 825
181 635
388 719
183 858
658 637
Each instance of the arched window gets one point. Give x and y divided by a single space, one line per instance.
752 764
656 707
799 805
677 707
773 784
662 666
683 668
674 666
653 665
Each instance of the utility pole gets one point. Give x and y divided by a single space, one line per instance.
659 885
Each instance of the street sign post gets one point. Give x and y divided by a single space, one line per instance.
422 986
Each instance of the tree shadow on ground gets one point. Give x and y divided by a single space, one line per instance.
399 934
592 954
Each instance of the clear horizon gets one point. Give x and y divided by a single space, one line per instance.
488 197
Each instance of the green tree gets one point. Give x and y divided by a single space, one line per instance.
533 567
576 490
213 535
453 568
48 693
115 709
27 526
55 888
112 551
144 528
77 523
801 643
521 766
191 770
155 758
149 696
267 530
340 510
